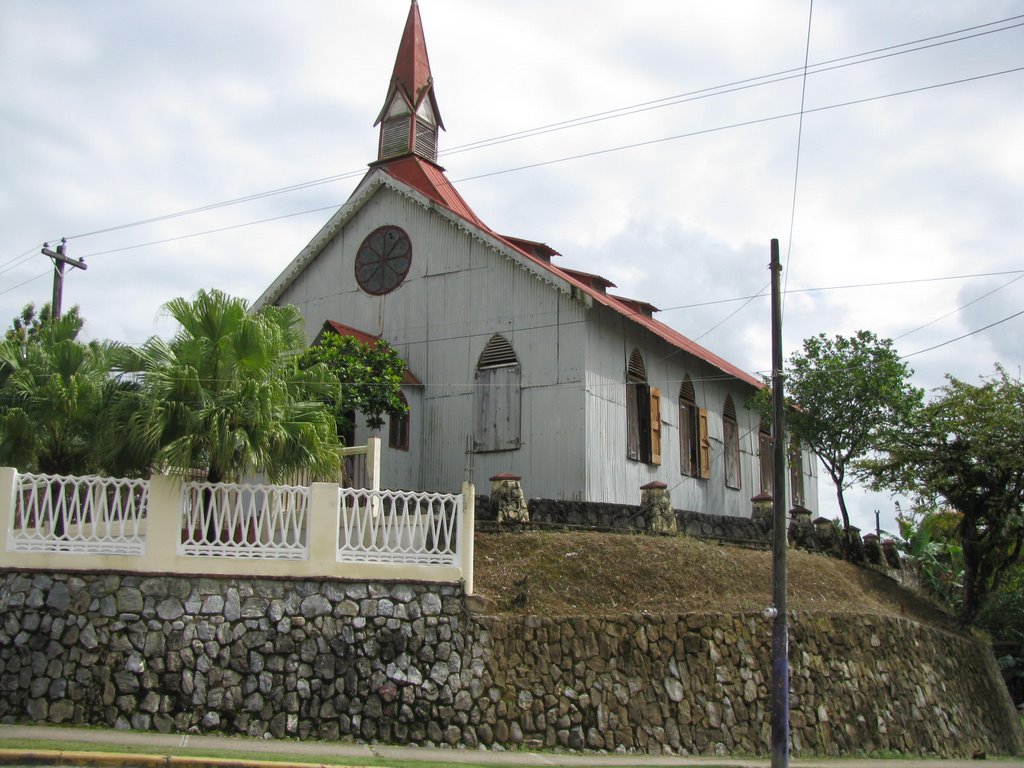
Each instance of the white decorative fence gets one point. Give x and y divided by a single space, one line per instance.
167 525
252 521
90 515
398 527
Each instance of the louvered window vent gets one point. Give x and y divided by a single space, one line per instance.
686 392
637 370
394 138
729 411
426 140
497 354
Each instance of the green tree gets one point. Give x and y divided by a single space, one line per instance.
226 394
370 378
27 325
846 394
933 550
54 394
965 450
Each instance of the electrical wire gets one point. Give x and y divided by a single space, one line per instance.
966 335
576 122
958 309
799 142
732 87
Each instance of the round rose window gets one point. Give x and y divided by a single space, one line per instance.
383 260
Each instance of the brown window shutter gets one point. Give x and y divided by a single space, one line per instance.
705 445
655 425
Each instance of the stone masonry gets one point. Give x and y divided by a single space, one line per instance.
408 663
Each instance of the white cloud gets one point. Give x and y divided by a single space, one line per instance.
125 110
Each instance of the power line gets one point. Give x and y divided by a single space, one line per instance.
966 335
25 282
20 259
852 60
799 137
732 87
742 124
210 231
961 307
225 203
594 153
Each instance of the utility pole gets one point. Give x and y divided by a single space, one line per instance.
780 625
60 258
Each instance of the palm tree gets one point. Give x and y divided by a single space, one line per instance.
225 394
54 391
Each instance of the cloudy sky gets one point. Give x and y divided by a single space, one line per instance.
658 143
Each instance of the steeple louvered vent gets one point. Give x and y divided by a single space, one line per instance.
394 138
497 354
426 140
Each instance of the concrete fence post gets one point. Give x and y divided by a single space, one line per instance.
163 523
466 535
8 484
322 526
373 463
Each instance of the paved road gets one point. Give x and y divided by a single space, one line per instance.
161 746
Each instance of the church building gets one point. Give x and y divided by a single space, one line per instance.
518 365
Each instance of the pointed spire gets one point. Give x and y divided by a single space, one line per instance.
410 120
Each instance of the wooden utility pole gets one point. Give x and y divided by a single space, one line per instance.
780 625
60 258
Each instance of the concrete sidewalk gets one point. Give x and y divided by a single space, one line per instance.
161 749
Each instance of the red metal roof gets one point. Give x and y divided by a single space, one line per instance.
429 179
411 75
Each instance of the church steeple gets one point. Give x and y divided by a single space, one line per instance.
410 120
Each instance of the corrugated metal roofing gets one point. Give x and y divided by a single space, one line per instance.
429 179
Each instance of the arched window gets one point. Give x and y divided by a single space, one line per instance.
398 428
731 435
694 446
796 473
498 398
766 455
643 413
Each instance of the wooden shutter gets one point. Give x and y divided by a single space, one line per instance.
655 431
498 409
731 436
705 444
632 422
766 457
687 465
796 474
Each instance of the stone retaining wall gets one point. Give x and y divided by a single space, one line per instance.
699 684
630 517
408 663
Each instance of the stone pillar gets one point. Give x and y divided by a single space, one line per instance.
873 549
891 554
656 508
826 535
801 529
507 499
855 545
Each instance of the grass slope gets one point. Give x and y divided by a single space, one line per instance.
587 573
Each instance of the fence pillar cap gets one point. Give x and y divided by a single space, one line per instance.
505 476
653 485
